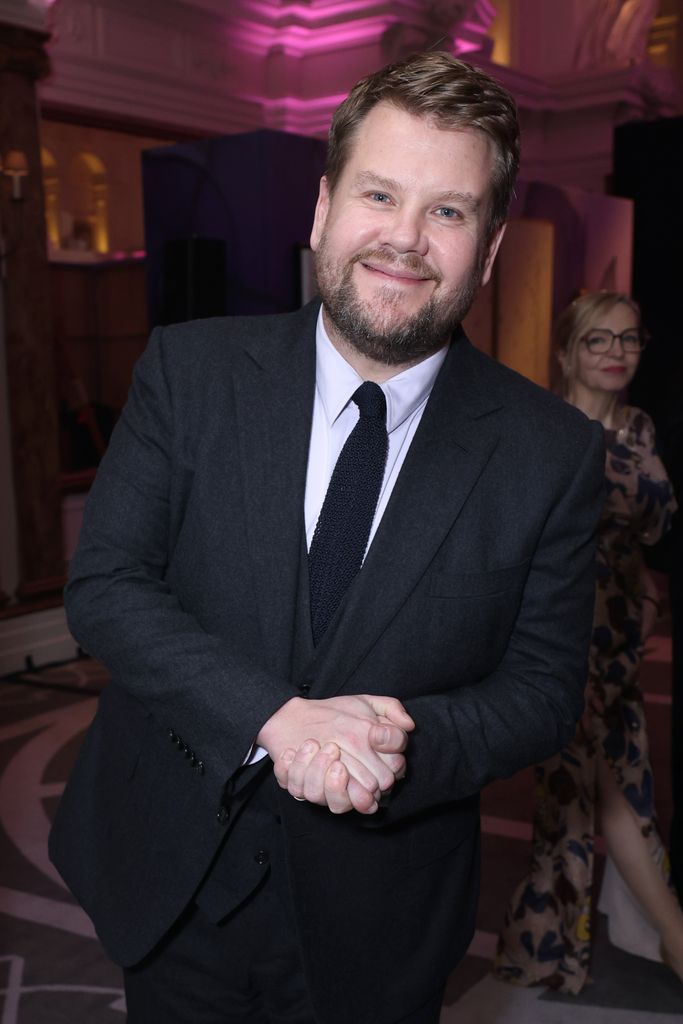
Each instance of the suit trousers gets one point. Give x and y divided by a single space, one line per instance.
243 967
245 970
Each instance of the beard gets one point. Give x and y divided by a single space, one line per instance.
375 330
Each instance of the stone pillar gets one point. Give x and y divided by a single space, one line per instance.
31 383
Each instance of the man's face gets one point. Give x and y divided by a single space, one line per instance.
400 249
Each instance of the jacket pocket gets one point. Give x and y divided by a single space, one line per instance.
450 583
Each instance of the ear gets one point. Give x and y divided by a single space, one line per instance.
563 361
491 254
320 217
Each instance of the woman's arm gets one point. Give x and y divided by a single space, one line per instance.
649 596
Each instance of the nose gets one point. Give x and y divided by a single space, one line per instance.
405 231
617 346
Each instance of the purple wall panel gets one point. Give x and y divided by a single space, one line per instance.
256 192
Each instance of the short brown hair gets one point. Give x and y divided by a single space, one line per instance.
451 92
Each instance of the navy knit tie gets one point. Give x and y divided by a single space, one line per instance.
342 531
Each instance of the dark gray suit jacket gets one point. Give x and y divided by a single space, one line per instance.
473 607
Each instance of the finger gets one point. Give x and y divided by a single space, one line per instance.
281 766
343 793
314 780
396 763
358 795
363 775
387 765
387 738
298 767
372 771
391 708
336 789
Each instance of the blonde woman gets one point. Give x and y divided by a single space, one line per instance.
546 933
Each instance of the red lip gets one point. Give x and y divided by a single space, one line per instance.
614 369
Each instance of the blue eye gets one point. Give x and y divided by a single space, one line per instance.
380 197
447 212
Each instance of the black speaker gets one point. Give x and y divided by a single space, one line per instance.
648 168
193 279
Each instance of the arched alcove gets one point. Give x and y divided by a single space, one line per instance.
90 199
51 190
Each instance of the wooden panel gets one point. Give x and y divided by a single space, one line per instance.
523 299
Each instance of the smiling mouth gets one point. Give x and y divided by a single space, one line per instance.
396 273
614 369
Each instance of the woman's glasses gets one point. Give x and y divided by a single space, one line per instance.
600 340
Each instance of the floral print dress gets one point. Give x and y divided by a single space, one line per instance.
546 933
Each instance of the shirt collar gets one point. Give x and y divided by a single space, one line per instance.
336 381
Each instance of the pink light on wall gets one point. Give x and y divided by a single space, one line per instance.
296 103
298 40
301 29
307 51
312 16
465 45
472 32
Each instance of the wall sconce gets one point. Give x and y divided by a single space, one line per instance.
15 166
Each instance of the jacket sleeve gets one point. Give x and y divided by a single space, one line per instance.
527 708
122 611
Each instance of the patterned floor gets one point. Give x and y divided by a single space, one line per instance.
52 969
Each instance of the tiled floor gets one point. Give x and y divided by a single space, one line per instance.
625 989
53 970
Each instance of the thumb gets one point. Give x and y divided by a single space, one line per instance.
387 738
390 708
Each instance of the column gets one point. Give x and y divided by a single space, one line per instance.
28 351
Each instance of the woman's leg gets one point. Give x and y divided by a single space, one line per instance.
545 938
629 851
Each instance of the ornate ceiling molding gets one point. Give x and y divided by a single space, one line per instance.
189 66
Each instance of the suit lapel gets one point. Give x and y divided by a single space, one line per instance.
454 441
274 402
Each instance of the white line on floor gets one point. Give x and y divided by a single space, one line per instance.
41 910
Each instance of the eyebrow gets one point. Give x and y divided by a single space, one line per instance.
462 199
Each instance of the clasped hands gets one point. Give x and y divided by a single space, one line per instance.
343 752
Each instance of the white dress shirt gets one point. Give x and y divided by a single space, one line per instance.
335 416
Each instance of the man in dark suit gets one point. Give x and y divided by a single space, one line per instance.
275 815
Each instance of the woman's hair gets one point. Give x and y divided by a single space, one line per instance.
450 93
582 314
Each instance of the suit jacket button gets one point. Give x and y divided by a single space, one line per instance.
199 767
262 857
223 815
304 689
172 736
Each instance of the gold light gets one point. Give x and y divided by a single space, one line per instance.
15 167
